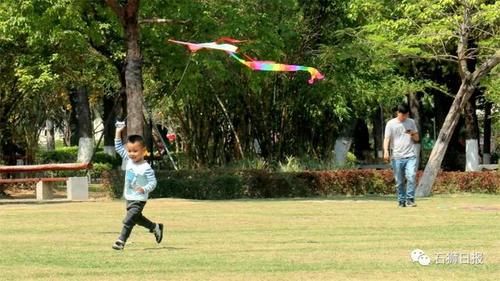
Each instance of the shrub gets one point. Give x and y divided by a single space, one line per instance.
264 184
60 155
199 185
451 182
98 169
231 184
101 157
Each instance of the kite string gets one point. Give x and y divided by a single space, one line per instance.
182 76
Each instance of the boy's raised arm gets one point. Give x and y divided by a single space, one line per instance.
118 143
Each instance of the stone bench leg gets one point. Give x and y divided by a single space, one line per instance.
77 188
44 190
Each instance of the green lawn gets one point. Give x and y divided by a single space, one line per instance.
317 239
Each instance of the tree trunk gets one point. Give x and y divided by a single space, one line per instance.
83 113
115 109
434 164
3 129
362 141
72 130
230 124
50 135
415 111
127 14
378 133
343 144
471 136
67 131
133 77
81 108
452 157
487 133
108 121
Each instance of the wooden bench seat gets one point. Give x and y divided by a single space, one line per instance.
77 187
28 180
45 167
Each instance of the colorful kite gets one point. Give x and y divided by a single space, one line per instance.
193 47
252 64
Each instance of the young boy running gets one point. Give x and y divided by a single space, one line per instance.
139 182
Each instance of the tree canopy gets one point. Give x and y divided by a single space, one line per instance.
374 55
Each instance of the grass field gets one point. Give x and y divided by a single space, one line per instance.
318 239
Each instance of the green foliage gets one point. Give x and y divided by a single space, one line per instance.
60 155
101 157
200 185
69 154
258 102
291 164
45 51
373 53
224 184
98 169
430 29
250 164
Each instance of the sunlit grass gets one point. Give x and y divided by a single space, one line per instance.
318 239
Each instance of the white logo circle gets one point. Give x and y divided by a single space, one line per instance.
424 260
415 254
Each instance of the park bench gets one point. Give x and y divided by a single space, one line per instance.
77 187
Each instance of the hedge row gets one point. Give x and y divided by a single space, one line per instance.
264 184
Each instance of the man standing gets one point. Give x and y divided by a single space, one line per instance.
401 133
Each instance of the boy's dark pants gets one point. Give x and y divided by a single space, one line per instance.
134 216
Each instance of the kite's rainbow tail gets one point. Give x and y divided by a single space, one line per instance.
272 66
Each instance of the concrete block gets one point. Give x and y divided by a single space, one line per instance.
77 188
44 190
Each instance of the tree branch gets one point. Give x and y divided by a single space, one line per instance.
117 9
485 67
463 46
103 52
162 21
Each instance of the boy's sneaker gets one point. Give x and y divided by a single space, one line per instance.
411 203
402 204
158 232
118 245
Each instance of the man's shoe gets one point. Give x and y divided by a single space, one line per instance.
411 204
402 205
118 245
158 232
